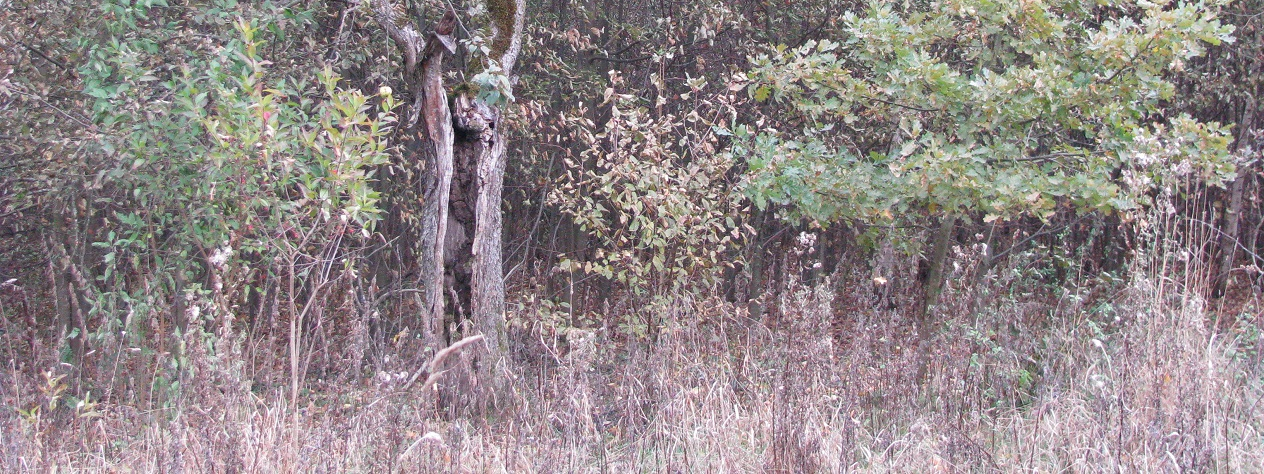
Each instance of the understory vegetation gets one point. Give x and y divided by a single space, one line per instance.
1136 374
743 236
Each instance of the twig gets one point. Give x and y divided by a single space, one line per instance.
45 56
1039 232
1238 242
538 217
903 106
618 60
1047 156
1060 154
431 369
79 120
1131 61
17 211
458 18
377 301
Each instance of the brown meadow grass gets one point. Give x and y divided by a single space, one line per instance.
1142 375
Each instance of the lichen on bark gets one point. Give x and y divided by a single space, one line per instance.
506 20
503 14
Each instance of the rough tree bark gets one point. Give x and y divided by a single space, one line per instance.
480 124
482 156
458 248
430 124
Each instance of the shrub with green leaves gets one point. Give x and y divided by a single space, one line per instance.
1006 108
218 176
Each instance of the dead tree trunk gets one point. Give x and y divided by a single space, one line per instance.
436 186
458 250
475 271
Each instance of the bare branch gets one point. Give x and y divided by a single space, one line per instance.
617 60
903 106
44 56
1046 157
400 30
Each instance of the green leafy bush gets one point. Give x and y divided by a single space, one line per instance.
1007 108
220 182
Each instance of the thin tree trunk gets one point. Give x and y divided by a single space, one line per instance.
935 275
756 262
1229 238
68 300
934 285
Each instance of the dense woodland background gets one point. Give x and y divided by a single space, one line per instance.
737 236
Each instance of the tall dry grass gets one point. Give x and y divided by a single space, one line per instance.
1027 374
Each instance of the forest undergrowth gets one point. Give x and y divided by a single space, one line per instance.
1137 373
680 236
